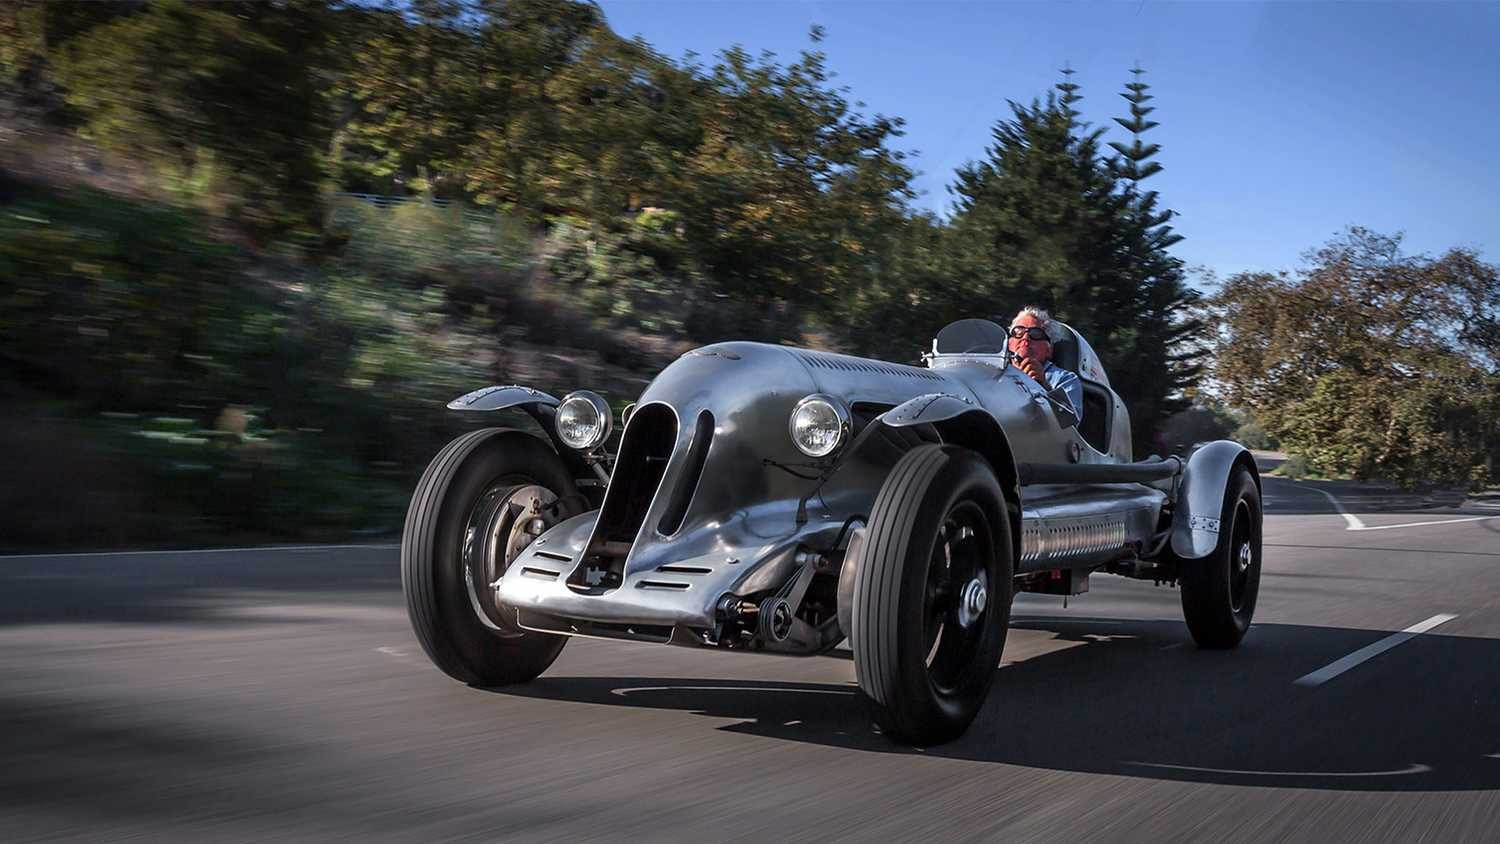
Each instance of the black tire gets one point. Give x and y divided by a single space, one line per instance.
433 575
1219 591
926 683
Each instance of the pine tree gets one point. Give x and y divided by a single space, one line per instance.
1047 218
1032 223
1132 164
1162 356
1070 94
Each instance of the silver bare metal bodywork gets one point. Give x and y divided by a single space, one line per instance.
741 520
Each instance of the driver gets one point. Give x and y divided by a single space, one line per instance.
1032 334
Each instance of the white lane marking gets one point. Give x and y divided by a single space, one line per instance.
1354 522
397 654
1339 666
1420 524
1492 755
195 551
634 689
1414 769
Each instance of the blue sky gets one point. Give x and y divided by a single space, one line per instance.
1281 123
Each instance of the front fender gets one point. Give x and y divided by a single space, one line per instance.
538 405
926 409
499 398
1200 499
960 421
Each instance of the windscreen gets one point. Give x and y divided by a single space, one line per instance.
971 336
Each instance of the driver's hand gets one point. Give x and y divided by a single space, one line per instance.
1030 368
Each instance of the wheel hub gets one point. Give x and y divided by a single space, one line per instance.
972 601
528 504
1244 557
507 518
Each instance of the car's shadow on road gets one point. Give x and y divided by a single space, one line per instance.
1136 698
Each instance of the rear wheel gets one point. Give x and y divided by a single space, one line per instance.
932 594
482 500
1219 591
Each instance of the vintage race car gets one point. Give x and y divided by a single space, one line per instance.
778 499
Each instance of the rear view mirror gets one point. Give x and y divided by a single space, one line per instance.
1062 408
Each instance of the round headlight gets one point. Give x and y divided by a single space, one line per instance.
583 420
819 425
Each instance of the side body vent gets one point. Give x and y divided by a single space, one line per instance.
1065 539
687 483
645 449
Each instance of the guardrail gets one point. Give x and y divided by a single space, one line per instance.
387 202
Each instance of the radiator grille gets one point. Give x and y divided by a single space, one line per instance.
645 449
687 483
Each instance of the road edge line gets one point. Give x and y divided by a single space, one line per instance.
181 551
1353 521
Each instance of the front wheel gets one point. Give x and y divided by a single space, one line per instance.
481 500
1219 591
932 594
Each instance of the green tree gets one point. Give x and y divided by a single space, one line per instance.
407 99
522 45
232 86
1368 361
789 192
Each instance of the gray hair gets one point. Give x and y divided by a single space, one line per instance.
1053 332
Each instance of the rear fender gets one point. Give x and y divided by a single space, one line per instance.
1200 498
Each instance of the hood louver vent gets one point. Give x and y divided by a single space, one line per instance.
846 363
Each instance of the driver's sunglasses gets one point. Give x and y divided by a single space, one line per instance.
1036 334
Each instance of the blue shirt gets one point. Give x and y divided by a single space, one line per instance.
1067 380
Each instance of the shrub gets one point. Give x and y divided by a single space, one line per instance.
120 300
1295 467
1252 435
416 241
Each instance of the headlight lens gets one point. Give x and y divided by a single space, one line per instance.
819 425
583 420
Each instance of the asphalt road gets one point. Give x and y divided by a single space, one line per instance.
278 694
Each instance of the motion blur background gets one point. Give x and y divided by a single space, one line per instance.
248 250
